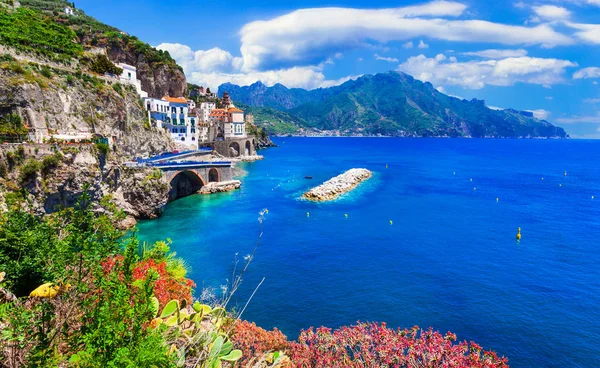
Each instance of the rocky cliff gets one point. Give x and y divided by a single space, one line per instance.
58 102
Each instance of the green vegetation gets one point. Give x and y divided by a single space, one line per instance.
28 30
12 125
103 148
102 65
393 104
30 169
275 121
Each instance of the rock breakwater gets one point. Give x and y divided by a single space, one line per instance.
340 184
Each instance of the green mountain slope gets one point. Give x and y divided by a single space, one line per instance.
42 29
393 104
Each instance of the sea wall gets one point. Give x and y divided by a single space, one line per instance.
340 184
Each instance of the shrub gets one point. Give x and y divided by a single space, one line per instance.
375 345
103 148
102 64
255 342
51 162
118 87
30 169
46 72
3 169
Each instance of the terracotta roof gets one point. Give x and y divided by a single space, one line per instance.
175 99
234 109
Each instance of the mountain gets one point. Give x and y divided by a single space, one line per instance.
57 31
389 104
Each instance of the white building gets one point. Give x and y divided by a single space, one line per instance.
173 115
230 123
129 76
205 109
68 11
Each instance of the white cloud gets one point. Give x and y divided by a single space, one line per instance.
586 32
540 114
549 98
580 119
408 45
591 72
423 45
497 54
592 100
494 107
477 74
216 66
383 58
213 60
309 36
551 12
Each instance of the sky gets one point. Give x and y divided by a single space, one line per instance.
536 55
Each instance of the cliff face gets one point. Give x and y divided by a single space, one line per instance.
157 79
141 193
66 104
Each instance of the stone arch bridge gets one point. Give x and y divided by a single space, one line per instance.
188 178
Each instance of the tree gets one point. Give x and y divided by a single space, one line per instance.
102 65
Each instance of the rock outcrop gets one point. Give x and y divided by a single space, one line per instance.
224 186
66 104
340 184
140 193
157 79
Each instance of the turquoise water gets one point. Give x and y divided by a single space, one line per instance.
450 259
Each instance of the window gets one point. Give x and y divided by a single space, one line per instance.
129 75
182 130
182 139
193 130
193 138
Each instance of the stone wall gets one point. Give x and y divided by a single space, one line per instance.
236 147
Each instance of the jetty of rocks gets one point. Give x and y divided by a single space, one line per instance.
340 184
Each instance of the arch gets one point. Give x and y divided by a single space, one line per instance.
185 183
248 148
214 175
234 149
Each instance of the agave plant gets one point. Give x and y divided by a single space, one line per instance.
196 332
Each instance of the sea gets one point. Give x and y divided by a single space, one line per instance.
429 240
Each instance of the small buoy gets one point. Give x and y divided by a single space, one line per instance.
266 210
565 173
391 222
471 179
592 197
542 178
386 166
560 185
474 188
519 234
454 173
346 215
497 199
308 214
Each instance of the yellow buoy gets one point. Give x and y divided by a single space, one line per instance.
391 222
519 234
266 210
497 199
346 215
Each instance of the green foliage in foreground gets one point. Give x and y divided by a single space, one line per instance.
30 31
98 318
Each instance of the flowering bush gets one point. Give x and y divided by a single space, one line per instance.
375 345
254 341
166 287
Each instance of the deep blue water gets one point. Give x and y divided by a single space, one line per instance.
450 260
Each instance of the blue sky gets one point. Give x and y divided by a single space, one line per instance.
538 55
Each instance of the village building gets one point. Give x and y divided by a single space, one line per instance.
129 76
68 11
172 114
